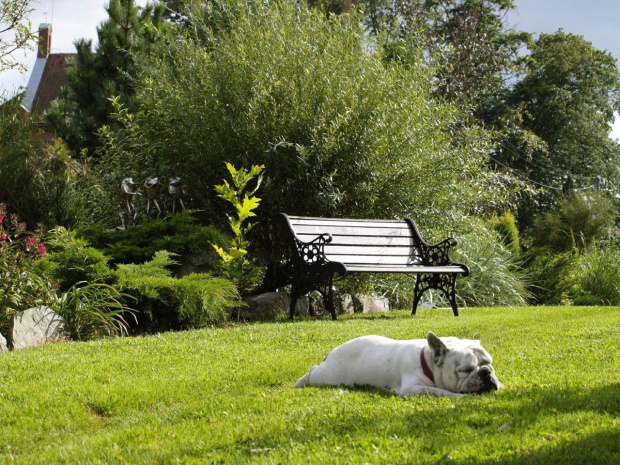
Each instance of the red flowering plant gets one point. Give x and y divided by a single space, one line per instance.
21 287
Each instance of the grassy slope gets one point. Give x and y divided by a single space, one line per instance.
226 395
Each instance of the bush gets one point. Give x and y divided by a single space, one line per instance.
595 277
72 260
547 272
506 226
166 302
576 221
495 276
179 234
21 285
193 301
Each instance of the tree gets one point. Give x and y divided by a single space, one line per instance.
340 131
476 50
567 99
109 71
15 32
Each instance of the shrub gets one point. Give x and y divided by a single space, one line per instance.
21 285
193 301
595 277
506 226
178 233
234 261
547 272
495 276
576 221
72 260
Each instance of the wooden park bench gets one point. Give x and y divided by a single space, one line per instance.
320 248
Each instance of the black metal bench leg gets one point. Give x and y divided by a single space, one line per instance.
452 295
328 300
417 294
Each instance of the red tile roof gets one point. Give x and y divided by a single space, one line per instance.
53 79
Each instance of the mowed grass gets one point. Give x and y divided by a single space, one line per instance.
227 396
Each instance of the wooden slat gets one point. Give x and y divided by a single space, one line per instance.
308 221
351 231
331 249
372 259
405 269
361 241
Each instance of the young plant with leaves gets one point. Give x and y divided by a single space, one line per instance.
235 263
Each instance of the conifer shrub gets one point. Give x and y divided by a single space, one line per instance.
179 234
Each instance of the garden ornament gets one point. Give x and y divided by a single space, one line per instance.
152 188
177 190
128 192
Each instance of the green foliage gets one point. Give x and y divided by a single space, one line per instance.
162 302
495 276
577 220
340 132
93 311
17 33
21 286
196 300
547 272
179 234
72 260
111 70
235 263
506 226
595 277
568 97
36 178
227 396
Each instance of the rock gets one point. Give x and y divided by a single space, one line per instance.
344 304
367 304
270 306
3 346
35 327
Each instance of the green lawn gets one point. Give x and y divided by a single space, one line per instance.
227 396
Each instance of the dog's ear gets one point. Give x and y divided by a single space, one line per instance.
437 346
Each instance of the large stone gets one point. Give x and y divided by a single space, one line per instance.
3 346
35 327
344 304
270 306
368 304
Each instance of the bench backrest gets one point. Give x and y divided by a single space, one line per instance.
363 242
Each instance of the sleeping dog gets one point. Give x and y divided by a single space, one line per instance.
446 366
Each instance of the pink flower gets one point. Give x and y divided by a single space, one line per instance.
30 241
42 249
1 218
3 236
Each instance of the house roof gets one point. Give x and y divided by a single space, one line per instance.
48 77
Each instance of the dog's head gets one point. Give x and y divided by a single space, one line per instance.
464 365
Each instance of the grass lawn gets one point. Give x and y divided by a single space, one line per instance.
227 396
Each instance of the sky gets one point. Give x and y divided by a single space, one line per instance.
596 20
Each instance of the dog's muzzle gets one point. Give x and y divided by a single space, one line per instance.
488 380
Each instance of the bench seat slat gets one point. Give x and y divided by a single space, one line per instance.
362 240
404 269
399 260
366 251
352 231
337 222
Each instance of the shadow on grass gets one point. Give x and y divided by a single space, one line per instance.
506 429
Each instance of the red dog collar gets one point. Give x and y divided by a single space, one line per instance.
425 368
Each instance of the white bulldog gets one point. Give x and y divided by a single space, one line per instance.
446 366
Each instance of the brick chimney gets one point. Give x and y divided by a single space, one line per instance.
45 40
